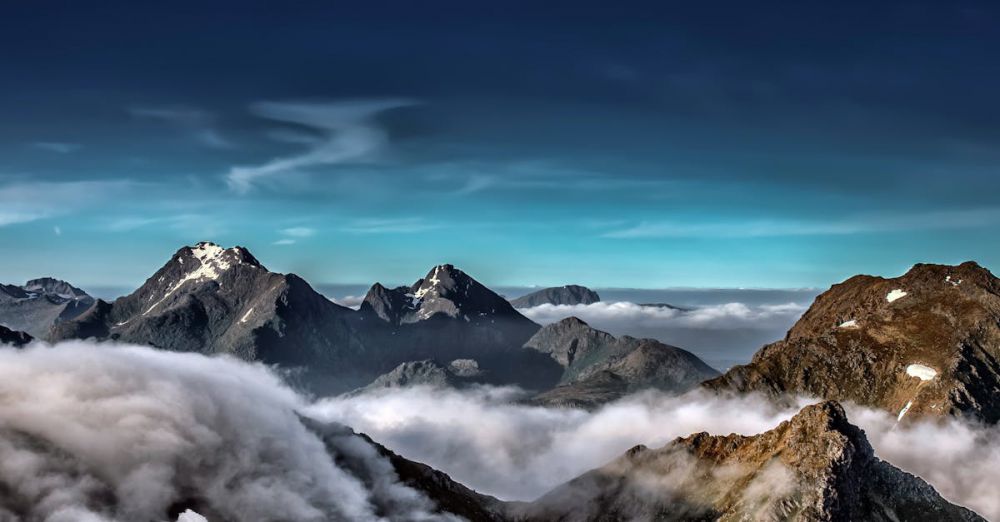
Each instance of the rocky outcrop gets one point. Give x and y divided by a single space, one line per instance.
457 374
39 304
13 337
558 295
815 467
598 367
923 344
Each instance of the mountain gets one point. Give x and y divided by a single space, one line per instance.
558 295
456 374
448 315
448 496
213 300
8 336
598 367
815 467
923 344
41 303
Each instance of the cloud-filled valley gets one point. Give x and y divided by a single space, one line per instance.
162 432
722 334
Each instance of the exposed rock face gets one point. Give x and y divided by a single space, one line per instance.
449 315
12 337
924 344
598 367
40 303
213 300
558 295
428 372
815 467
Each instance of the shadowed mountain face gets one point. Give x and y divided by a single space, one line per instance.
815 467
41 303
458 373
211 300
924 344
449 315
599 368
12 337
558 295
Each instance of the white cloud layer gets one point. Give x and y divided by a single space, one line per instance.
520 452
721 334
118 433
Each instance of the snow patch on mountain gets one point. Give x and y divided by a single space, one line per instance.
895 295
924 373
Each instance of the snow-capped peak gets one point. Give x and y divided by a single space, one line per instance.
213 261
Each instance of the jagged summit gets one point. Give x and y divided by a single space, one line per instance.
445 291
211 299
816 466
55 287
41 303
558 295
922 344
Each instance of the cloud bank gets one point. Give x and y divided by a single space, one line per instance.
120 433
520 452
722 334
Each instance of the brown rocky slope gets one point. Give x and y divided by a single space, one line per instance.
923 344
815 467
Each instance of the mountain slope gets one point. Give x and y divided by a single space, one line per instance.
458 373
213 300
40 303
558 295
599 367
814 467
923 344
448 315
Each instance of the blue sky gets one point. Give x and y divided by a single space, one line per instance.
627 145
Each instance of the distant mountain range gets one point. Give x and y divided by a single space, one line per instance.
921 345
559 295
211 300
36 306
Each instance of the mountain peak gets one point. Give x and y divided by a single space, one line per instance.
921 344
53 286
558 295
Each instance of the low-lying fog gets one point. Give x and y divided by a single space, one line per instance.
82 421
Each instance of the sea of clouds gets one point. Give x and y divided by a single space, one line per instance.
721 334
100 433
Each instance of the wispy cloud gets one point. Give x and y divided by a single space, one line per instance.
299 231
199 123
389 226
861 224
30 201
347 131
291 235
58 147
130 223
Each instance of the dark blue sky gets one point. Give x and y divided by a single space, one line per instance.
665 144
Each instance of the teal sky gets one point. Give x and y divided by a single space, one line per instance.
642 145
